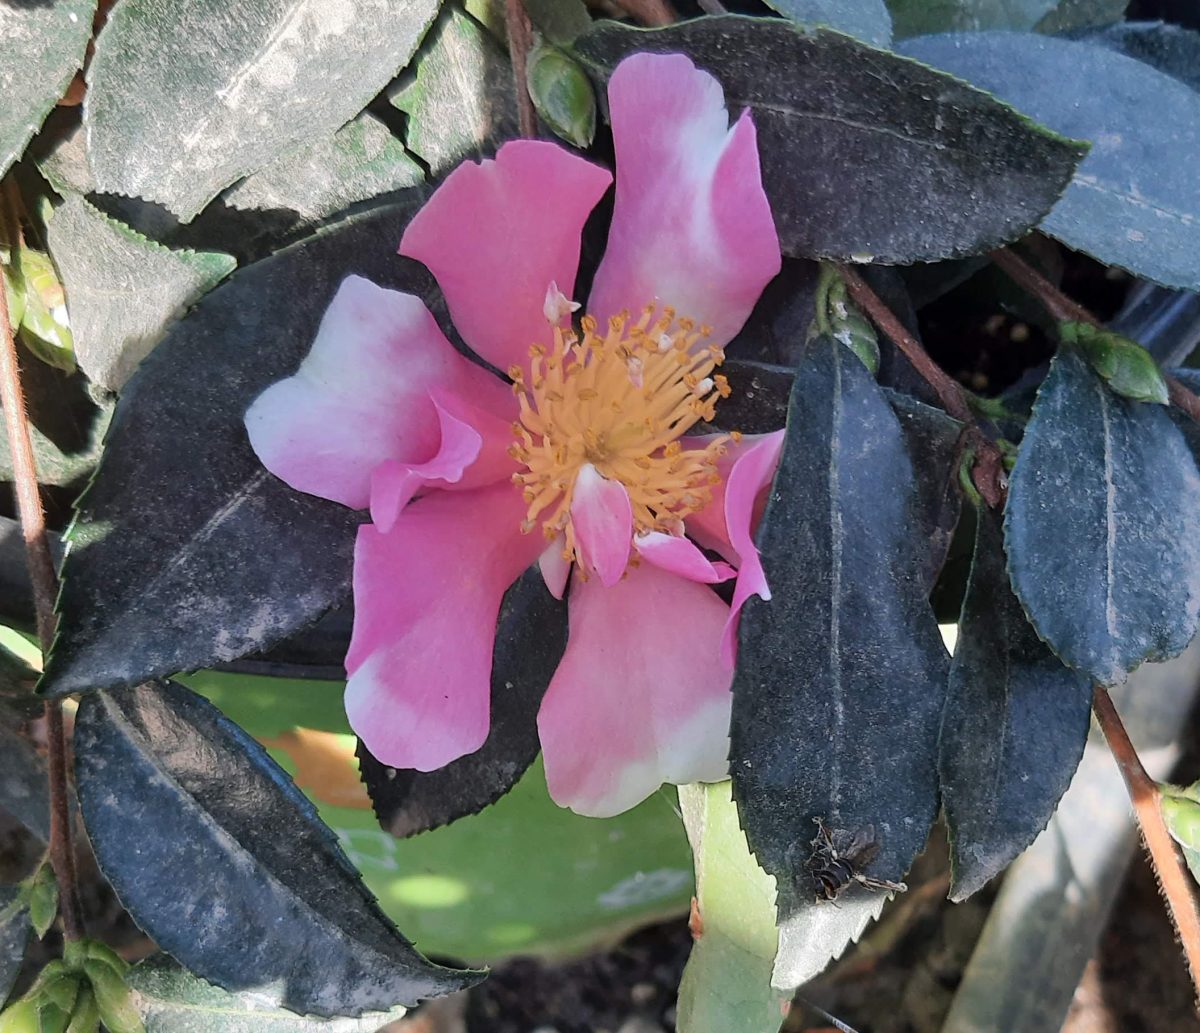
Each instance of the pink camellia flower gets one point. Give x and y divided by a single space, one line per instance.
578 460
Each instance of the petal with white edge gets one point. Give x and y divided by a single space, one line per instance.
640 697
361 396
691 224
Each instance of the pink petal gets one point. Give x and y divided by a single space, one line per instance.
497 233
361 396
751 473
691 226
640 697
603 519
471 454
426 598
555 567
681 557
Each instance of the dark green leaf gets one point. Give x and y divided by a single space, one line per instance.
123 290
867 20
780 324
41 48
22 778
248 889
933 441
360 161
67 426
184 99
560 21
865 156
1135 199
1015 724
758 405
841 675
530 638
14 937
917 17
186 551
1171 49
172 1000
460 104
758 402
1102 526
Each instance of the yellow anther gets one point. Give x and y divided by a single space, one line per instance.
619 401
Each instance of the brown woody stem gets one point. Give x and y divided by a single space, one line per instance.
988 471
1164 857
1065 309
45 585
654 13
520 40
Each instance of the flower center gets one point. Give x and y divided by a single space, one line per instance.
620 401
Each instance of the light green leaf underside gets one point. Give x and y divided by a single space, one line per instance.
360 161
460 103
188 96
726 986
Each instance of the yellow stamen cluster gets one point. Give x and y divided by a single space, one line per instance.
620 401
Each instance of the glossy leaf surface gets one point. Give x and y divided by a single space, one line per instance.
171 571
460 103
1015 725
823 726
865 156
1135 199
727 982
247 889
1102 526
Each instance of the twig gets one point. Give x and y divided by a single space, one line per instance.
1164 858
712 7
520 39
45 583
1061 307
988 470
1065 309
654 13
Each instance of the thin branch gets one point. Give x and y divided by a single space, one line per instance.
988 471
1061 307
45 585
654 13
1065 309
712 7
1172 876
520 40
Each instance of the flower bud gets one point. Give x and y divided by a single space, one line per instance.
20 1017
86 1016
562 94
117 1011
1129 369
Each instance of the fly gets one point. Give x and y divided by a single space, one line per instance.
838 859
